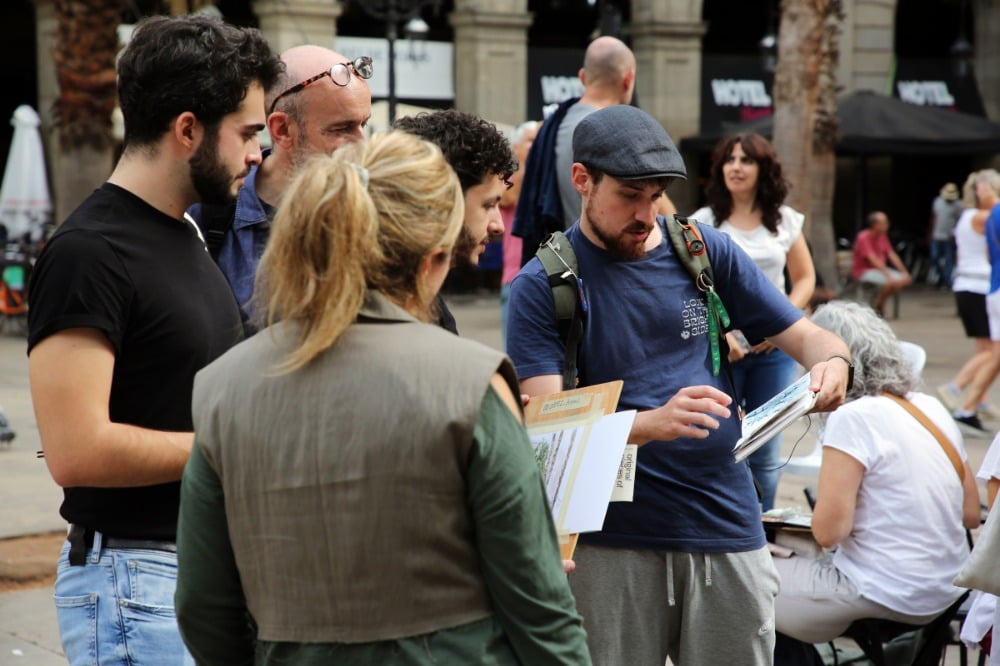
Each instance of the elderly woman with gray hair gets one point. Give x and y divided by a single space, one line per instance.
892 507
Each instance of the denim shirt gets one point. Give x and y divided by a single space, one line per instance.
244 243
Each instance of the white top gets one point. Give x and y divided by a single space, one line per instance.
769 251
908 541
991 462
972 264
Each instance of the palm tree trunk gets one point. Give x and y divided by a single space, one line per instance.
819 230
86 45
805 118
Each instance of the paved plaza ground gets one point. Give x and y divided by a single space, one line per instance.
29 500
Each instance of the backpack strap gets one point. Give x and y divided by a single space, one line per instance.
689 246
216 221
559 261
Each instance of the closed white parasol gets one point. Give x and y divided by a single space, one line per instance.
25 204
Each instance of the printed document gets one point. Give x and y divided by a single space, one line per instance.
773 416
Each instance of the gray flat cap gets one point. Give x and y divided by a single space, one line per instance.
626 143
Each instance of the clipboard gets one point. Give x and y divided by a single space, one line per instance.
560 425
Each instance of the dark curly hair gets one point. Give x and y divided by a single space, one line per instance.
473 147
188 63
772 188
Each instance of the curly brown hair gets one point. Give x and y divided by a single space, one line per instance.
473 147
772 188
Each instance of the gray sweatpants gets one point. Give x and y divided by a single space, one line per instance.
700 609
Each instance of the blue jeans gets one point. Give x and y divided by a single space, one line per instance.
757 379
943 256
118 608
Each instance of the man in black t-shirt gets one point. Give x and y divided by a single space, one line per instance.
126 307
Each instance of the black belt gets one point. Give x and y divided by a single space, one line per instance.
81 539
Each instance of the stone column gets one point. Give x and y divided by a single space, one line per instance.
666 40
866 45
288 23
45 44
491 58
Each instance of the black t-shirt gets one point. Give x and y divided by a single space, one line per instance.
145 280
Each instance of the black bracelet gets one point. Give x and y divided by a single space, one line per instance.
850 368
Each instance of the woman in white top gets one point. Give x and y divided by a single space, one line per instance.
745 192
971 284
889 500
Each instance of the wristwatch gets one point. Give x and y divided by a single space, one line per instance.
850 368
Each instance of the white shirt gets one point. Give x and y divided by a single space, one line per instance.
908 541
972 265
769 251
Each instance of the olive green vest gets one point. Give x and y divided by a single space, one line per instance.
344 481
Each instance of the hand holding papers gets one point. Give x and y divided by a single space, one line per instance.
773 416
579 441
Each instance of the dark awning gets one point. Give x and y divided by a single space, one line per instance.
874 124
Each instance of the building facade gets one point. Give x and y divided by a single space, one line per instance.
699 61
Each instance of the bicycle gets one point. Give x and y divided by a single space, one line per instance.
13 302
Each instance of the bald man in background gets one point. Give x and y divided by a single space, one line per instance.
548 201
321 103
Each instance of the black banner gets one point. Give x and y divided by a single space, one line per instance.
552 78
734 90
938 82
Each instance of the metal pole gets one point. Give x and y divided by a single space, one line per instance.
391 20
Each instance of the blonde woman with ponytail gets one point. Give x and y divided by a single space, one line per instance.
361 486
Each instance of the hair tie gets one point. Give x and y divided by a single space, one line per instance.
362 174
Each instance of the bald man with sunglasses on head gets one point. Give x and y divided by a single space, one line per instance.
321 103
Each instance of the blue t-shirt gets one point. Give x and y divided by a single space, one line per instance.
648 325
993 246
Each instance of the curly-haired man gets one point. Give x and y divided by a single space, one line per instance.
484 161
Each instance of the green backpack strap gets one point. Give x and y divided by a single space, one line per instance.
559 261
692 253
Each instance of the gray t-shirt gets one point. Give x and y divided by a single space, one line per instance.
568 196
945 216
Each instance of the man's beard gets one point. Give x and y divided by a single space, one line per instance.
209 176
621 246
465 245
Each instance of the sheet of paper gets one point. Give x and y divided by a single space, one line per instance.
557 454
597 473
625 482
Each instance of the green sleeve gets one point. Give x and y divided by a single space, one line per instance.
517 543
211 608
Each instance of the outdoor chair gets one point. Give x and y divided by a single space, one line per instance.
954 639
865 292
932 639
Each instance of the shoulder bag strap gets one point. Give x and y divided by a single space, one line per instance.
949 449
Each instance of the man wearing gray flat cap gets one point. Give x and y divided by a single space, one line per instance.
682 570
